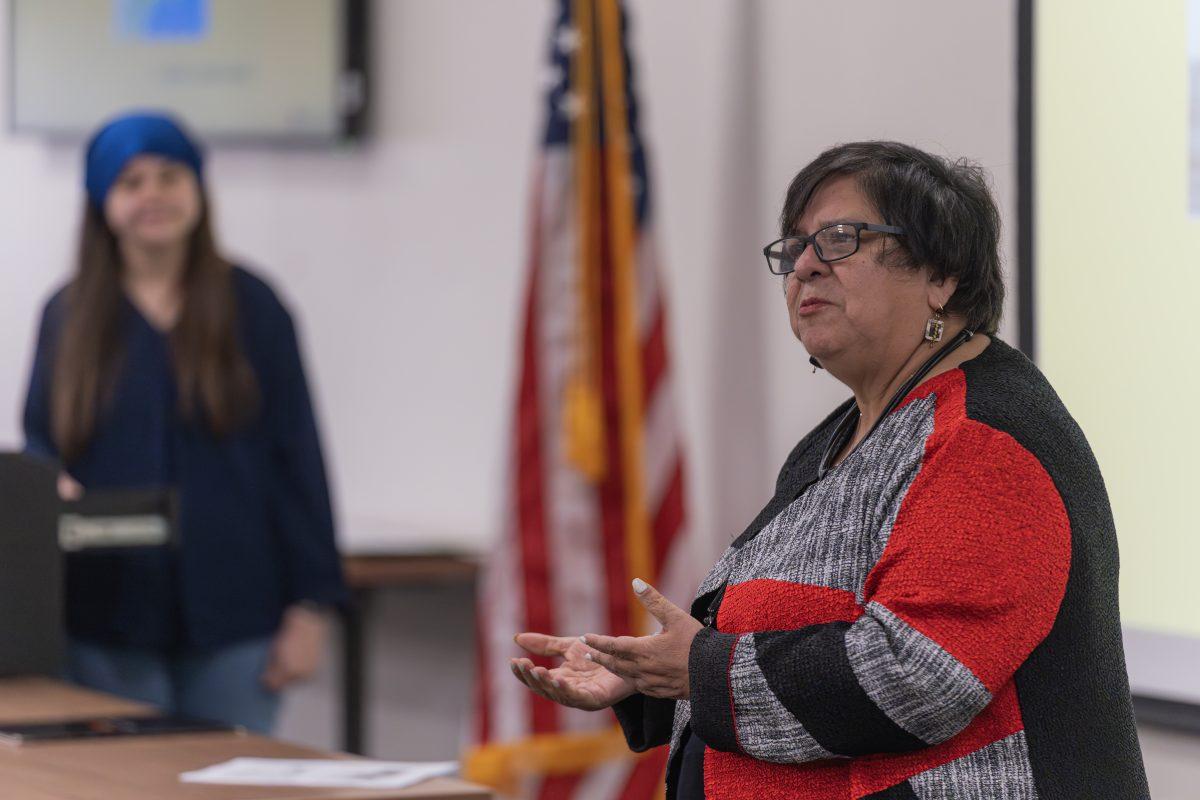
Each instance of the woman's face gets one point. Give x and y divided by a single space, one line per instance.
856 309
154 203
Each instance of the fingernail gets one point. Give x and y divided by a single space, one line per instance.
554 684
587 656
640 585
583 639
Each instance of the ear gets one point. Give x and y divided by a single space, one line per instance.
941 290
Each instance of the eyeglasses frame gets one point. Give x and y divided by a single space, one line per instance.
858 227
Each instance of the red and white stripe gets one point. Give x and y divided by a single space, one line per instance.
556 567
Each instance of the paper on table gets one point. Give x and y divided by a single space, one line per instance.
349 774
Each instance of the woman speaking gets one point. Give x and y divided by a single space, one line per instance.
161 365
927 607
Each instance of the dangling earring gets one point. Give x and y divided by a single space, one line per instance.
935 327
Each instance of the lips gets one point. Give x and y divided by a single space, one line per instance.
810 305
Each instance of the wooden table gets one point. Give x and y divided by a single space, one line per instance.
148 767
365 575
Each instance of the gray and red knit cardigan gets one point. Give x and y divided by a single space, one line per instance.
935 618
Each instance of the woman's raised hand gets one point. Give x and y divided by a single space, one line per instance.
577 682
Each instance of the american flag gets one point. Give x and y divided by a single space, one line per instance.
596 493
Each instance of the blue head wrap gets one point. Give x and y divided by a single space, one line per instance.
131 135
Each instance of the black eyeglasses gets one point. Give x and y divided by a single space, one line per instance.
831 243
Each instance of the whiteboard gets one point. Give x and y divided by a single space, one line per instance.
1116 285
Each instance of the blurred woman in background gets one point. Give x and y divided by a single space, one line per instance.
163 366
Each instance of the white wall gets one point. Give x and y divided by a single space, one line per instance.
403 258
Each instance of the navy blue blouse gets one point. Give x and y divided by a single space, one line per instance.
256 529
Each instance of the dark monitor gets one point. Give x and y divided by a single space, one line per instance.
31 574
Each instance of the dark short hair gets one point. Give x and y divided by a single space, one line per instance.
945 207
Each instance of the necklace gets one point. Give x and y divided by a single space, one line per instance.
841 433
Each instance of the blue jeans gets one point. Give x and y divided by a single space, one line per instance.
221 684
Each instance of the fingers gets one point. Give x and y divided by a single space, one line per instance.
648 683
521 672
619 655
659 607
541 644
274 677
532 675
68 487
626 648
618 666
538 680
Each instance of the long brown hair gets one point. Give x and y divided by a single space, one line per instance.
211 371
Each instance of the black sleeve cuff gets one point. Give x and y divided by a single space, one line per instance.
708 684
645 721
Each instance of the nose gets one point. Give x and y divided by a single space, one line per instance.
808 266
144 190
159 186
